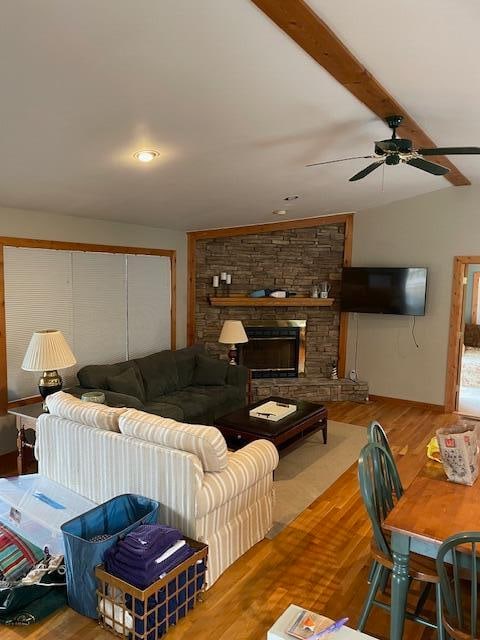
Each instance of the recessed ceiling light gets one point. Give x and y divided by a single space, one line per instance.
290 198
146 155
279 212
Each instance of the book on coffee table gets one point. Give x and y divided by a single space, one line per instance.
307 624
272 410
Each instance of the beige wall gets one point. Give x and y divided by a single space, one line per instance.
427 230
47 226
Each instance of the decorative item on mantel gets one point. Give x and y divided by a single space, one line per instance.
233 333
271 293
224 281
325 288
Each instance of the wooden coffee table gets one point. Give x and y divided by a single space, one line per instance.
239 428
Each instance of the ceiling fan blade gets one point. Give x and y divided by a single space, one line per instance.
447 151
364 172
315 164
429 167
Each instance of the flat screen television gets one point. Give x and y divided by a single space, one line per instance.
396 290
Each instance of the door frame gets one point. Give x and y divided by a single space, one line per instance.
460 264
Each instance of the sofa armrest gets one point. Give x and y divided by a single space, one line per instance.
246 467
112 398
237 375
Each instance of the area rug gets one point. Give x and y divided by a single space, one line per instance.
308 467
471 367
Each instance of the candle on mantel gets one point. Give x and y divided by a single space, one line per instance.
215 281
229 278
223 275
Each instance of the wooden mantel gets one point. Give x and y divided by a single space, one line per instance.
294 301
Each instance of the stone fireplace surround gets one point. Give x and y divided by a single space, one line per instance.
293 259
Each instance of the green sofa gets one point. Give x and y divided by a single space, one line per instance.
186 385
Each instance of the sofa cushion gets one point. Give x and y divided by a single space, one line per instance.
164 409
221 400
129 382
209 371
196 407
159 373
207 443
94 376
92 414
185 361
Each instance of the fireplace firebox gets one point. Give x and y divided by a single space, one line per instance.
275 348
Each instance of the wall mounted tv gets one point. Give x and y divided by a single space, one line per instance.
396 290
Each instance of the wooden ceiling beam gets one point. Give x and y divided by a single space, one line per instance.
309 31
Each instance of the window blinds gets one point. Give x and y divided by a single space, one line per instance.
38 295
99 309
110 307
148 279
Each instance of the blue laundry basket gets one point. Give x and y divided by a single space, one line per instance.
89 535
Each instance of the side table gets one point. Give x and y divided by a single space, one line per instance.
288 617
26 418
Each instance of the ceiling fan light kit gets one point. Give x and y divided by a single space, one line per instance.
400 150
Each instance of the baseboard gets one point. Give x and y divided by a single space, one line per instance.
415 403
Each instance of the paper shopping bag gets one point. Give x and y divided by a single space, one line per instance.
459 451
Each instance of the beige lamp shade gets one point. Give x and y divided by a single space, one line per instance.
232 332
48 350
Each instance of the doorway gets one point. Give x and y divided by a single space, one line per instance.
463 371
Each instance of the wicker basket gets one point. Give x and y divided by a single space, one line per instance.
147 614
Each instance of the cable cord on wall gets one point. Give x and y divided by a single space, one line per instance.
413 333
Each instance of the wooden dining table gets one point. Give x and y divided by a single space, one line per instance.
430 510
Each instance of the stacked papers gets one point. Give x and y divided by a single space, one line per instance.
273 410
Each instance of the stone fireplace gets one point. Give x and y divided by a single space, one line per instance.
295 259
275 348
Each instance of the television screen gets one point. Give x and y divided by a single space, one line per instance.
396 290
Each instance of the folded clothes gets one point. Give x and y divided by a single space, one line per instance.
142 577
124 558
150 539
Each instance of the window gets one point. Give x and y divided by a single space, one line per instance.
110 307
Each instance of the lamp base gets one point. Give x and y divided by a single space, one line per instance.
233 354
50 382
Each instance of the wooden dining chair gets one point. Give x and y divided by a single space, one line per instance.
381 488
376 435
458 568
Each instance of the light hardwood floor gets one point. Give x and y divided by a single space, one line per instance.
319 562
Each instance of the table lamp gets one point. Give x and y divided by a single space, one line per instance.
232 333
48 351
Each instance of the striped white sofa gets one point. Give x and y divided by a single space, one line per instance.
222 498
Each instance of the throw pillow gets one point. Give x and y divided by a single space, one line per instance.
209 371
185 360
127 383
159 371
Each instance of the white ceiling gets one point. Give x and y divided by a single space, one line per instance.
234 106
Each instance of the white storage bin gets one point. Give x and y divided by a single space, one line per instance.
36 507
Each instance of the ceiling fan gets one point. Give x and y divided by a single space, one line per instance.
396 150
